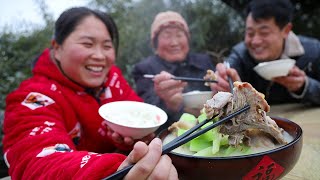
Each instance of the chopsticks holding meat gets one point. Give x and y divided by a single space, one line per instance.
240 128
187 136
151 76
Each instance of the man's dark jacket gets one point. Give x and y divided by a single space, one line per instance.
241 60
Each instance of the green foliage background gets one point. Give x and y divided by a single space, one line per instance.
215 27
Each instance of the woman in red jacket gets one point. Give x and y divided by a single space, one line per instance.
52 126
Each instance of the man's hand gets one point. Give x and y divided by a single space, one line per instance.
222 74
149 163
294 81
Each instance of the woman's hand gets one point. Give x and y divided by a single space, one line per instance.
149 163
128 141
169 90
222 73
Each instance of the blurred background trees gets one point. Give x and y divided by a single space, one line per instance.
215 25
214 28
305 18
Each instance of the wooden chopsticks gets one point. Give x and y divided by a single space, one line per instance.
185 137
151 76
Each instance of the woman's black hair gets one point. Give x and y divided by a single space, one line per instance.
72 17
280 10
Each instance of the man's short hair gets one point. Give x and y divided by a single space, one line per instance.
280 10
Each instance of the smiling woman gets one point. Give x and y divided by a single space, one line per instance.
87 54
56 110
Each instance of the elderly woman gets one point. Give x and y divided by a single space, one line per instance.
170 38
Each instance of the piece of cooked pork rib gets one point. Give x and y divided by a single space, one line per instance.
239 128
209 76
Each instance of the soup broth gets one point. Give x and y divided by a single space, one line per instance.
184 149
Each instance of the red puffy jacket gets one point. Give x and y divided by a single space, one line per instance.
53 130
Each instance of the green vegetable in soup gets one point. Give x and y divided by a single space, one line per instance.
198 144
181 131
207 152
189 118
211 143
216 140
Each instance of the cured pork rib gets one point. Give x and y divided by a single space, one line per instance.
241 128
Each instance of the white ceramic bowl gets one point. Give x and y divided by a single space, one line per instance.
132 119
196 99
272 69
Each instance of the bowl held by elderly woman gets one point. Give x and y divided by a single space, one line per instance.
196 99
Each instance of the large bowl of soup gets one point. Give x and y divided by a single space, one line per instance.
270 164
133 119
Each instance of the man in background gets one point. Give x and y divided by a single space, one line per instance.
269 37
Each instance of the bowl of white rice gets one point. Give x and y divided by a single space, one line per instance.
133 119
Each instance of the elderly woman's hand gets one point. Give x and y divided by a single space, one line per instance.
294 81
149 162
222 73
169 90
